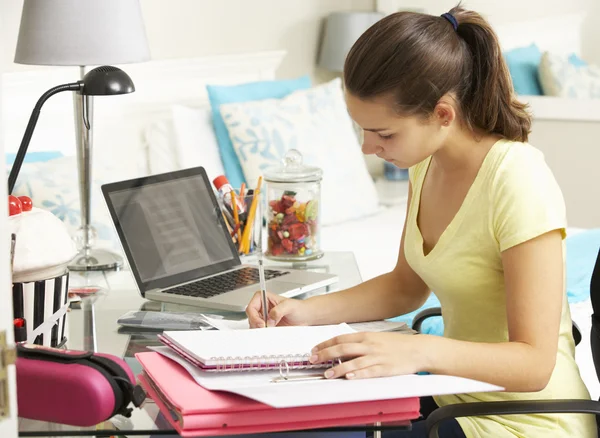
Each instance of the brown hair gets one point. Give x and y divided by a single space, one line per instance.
418 58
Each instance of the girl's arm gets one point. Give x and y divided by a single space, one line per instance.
534 298
534 280
395 293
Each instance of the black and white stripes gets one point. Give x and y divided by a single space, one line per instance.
43 303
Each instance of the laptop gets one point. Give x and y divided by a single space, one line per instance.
177 244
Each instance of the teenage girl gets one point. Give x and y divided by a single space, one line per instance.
484 230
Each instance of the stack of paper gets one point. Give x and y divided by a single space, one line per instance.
202 362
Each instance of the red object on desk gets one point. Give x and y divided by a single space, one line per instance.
195 411
84 290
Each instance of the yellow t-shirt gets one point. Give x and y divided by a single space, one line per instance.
514 198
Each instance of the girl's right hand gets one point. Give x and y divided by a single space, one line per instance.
282 311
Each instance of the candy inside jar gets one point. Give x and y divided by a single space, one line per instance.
293 211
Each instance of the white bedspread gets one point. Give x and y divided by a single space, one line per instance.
375 240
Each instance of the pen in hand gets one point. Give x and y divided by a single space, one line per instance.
263 288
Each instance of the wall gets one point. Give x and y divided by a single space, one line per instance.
8 426
190 28
501 13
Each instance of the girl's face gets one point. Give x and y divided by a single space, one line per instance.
403 141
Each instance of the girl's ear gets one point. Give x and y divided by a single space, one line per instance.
444 113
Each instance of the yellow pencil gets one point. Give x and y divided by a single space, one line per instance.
250 219
236 216
249 222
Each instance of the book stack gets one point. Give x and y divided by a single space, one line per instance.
261 380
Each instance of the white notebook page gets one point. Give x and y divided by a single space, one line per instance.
212 346
259 386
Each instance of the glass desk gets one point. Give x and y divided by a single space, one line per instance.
92 326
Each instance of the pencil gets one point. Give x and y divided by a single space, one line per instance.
251 214
242 194
227 223
263 289
236 216
249 221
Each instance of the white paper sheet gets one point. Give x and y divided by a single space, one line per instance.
257 385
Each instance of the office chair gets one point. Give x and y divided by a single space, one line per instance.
530 406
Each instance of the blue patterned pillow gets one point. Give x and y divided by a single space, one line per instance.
52 185
224 94
315 122
560 77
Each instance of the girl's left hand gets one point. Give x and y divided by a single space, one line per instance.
371 355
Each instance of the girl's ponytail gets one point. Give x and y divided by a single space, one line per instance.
489 101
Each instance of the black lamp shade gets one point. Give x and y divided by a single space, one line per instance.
106 81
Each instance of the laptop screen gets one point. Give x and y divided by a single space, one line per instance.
171 228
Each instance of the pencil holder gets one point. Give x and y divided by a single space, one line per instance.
242 212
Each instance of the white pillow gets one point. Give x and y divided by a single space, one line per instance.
315 122
161 147
186 139
196 141
560 78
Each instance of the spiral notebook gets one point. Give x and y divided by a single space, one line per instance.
255 349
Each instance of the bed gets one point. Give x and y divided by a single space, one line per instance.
134 136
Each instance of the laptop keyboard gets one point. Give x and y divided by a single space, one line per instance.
226 282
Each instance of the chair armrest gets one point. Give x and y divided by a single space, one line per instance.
423 315
432 422
576 333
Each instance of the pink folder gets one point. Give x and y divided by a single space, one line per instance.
195 411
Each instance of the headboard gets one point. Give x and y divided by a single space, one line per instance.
120 120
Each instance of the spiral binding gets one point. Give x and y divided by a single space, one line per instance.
284 363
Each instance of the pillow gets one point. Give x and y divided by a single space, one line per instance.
560 78
315 122
196 141
523 67
222 94
161 147
577 61
33 157
53 186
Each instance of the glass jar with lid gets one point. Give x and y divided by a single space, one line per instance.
293 209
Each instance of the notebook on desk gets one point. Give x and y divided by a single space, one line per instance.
179 249
258 349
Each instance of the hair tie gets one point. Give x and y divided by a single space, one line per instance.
448 16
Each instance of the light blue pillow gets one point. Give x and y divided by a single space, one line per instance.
221 94
577 61
33 157
523 65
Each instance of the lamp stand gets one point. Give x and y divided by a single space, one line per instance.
88 258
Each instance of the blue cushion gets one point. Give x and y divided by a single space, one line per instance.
433 325
523 65
582 250
577 61
221 94
33 157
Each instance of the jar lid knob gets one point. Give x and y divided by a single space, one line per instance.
292 159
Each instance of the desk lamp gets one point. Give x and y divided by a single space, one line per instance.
82 33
